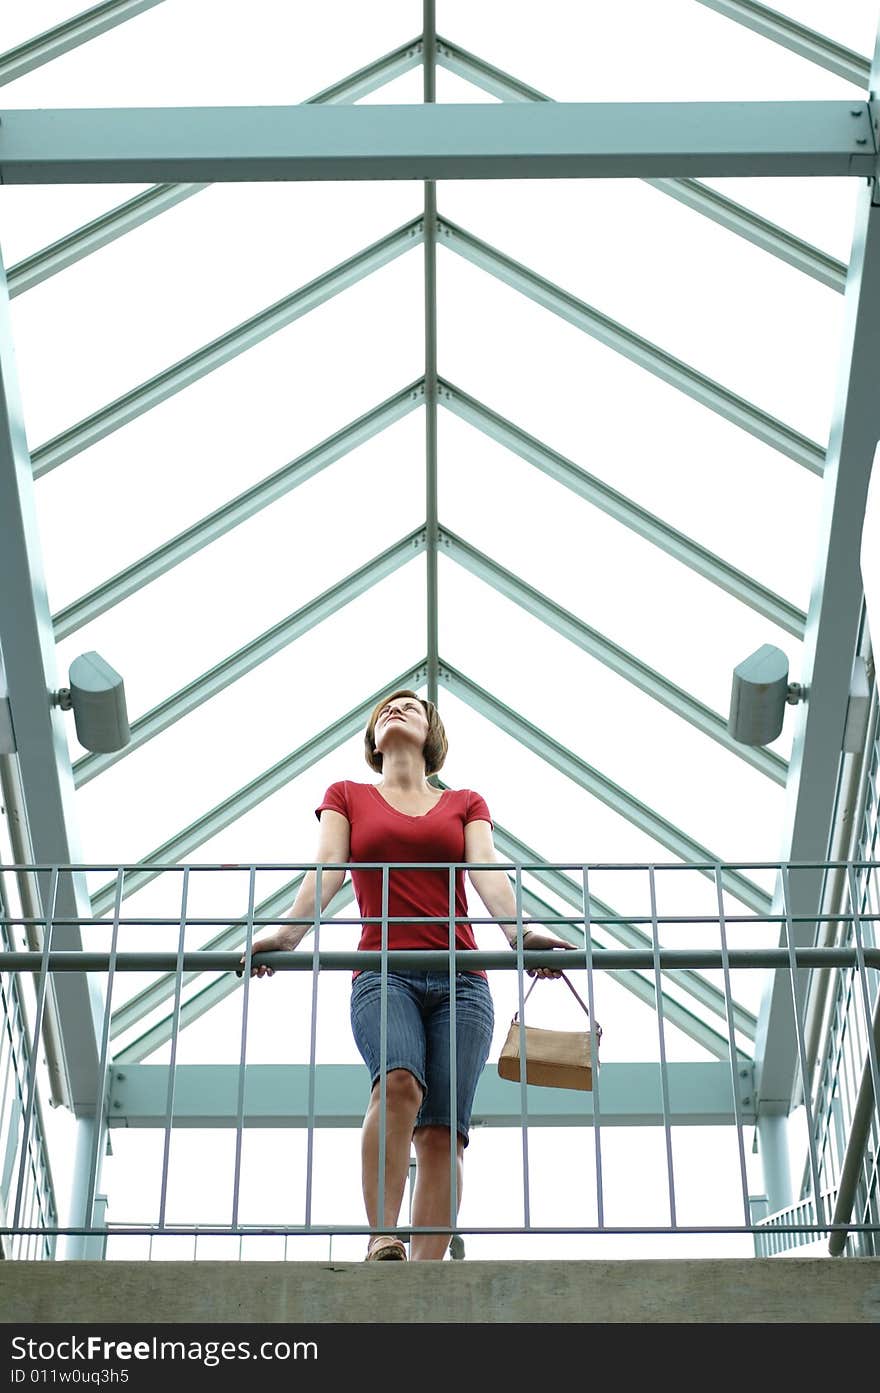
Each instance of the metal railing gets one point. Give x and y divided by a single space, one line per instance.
26 1188
697 1066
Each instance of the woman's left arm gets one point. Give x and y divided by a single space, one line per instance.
493 888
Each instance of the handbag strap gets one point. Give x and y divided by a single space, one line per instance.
574 993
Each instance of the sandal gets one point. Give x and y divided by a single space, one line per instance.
384 1247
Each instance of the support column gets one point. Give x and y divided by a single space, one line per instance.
775 1160
85 1205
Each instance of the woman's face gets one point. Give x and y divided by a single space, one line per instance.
401 722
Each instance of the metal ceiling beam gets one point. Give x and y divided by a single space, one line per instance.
832 630
787 32
217 989
33 53
700 197
149 204
277 1095
589 640
595 783
41 760
259 650
190 838
223 519
712 568
222 350
432 646
544 140
646 355
630 936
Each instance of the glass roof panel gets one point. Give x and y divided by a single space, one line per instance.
607 722
755 325
19 23
170 55
853 23
115 319
169 468
179 775
669 52
731 502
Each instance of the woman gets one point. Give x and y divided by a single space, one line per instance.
404 818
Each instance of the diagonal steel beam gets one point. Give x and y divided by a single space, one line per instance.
149 204
33 53
596 784
208 996
623 510
646 355
610 654
223 349
631 937
807 43
753 228
700 197
156 563
176 848
259 650
100 232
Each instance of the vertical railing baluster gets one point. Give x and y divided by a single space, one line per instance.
866 1001
242 1053
383 1047
801 1044
101 1080
35 1050
453 1062
594 1050
661 1034
523 1065
313 1044
734 1062
172 1066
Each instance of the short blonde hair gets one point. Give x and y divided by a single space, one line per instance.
436 743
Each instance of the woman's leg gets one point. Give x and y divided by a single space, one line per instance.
403 1097
474 1021
404 1062
431 1199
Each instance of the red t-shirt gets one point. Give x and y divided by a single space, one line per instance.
382 833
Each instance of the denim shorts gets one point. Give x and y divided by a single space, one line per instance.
418 1036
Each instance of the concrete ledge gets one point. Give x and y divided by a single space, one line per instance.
726 1290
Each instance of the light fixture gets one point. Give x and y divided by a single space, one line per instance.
97 697
761 690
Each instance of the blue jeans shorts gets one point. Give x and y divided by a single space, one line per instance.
418 1036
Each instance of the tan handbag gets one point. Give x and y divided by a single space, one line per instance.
554 1058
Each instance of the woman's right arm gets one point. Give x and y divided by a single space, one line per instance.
334 840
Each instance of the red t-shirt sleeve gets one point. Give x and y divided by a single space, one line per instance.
477 809
336 800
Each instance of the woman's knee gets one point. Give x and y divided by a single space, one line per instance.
403 1092
433 1141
